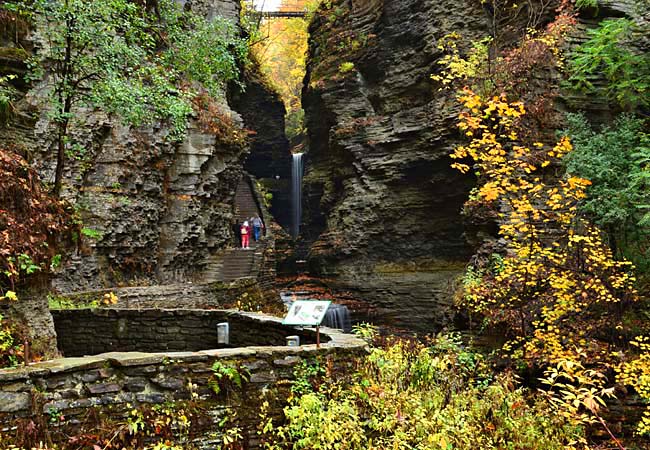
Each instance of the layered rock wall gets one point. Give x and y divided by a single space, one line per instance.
270 161
382 202
154 211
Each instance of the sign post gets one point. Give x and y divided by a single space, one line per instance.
307 313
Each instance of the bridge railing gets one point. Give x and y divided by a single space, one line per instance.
278 14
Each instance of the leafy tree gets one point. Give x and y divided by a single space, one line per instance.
607 55
615 159
117 56
202 51
82 42
555 284
281 49
495 65
582 4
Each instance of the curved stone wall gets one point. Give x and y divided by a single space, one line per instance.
92 331
110 386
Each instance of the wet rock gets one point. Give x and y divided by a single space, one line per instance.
90 377
255 365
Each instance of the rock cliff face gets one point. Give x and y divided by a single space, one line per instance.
382 207
382 203
153 211
160 210
270 162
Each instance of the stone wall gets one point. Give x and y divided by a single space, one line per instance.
74 392
170 296
92 331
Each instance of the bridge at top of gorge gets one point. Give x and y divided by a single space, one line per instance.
278 14
273 9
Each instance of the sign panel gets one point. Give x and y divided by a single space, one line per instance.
306 312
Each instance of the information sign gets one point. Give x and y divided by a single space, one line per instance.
306 312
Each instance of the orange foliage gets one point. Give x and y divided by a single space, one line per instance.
32 222
214 120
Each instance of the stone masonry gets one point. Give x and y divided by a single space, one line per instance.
73 390
91 331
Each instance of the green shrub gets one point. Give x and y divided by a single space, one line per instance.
606 54
616 159
92 233
346 67
408 395
225 376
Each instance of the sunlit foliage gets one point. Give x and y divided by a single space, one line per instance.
408 395
555 283
281 49
636 373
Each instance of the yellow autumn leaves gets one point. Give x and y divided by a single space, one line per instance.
556 277
555 285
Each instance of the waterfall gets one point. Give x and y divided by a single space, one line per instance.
296 193
338 316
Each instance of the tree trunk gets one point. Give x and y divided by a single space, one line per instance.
60 160
65 103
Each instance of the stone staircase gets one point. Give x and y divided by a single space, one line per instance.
237 263
245 204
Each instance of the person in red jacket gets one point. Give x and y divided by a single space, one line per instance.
245 231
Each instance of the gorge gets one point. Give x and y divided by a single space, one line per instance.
364 202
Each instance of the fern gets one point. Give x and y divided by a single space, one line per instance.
617 161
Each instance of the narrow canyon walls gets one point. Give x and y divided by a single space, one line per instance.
382 203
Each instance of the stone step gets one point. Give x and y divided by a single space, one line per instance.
236 262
